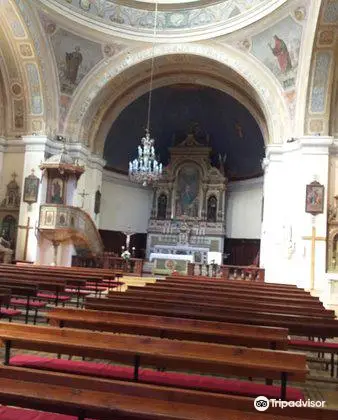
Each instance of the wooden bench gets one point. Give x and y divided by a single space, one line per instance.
226 288
5 311
116 400
173 328
222 280
256 296
51 289
175 355
222 283
23 296
317 346
298 325
47 290
82 282
221 306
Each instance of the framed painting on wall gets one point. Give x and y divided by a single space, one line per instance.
314 201
57 191
31 189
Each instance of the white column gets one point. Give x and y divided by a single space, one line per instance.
285 255
35 148
271 237
315 166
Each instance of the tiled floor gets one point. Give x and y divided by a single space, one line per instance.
318 387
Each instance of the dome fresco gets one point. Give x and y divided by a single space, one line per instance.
135 19
214 117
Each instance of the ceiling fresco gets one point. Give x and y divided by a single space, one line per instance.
136 18
213 116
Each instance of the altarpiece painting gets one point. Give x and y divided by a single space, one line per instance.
187 191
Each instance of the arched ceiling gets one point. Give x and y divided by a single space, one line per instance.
215 118
168 70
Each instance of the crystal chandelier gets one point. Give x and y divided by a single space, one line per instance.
145 169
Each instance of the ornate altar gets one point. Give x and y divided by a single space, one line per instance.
188 209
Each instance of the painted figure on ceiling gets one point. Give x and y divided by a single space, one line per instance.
73 62
280 51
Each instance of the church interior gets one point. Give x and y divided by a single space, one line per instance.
168 210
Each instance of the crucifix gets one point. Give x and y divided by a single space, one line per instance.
128 234
27 228
313 238
83 195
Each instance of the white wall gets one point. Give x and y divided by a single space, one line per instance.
286 251
124 205
244 209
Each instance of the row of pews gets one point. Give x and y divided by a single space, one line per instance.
31 289
181 348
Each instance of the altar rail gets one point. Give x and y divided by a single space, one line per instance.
111 261
231 272
133 265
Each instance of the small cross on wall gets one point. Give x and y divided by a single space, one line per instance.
83 195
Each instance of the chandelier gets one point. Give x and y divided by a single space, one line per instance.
145 169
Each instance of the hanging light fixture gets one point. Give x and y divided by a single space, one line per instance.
145 169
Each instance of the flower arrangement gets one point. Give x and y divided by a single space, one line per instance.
125 255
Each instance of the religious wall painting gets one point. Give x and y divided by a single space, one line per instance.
314 202
31 189
75 58
57 191
278 48
187 191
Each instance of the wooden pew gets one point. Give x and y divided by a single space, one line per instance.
171 354
298 325
221 280
221 306
77 280
54 288
256 296
115 400
68 271
173 328
23 295
238 288
249 285
5 311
